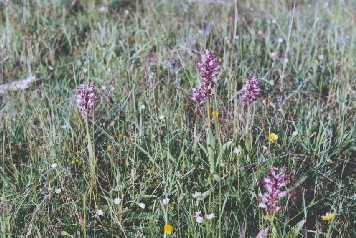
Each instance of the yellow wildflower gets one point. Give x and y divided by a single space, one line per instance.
215 114
328 216
272 137
108 148
168 229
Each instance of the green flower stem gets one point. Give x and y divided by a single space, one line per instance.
92 159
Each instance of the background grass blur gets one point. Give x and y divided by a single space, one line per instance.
145 53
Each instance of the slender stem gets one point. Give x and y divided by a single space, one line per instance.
220 206
85 216
328 234
248 118
92 159
208 112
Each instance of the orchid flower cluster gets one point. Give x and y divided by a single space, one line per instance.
273 184
86 96
209 69
251 90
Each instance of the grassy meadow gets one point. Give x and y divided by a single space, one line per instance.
147 158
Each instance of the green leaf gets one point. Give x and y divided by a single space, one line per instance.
296 229
64 233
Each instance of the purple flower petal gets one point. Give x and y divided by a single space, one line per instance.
262 205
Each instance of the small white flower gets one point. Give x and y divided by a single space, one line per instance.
295 133
54 165
280 40
100 212
65 125
141 205
210 216
273 55
274 21
142 107
196 194
103 10
58 190
321 57
103 87
165 201
161 117
199 219
286 61
117 201
222 164
127 12
236 151
50 68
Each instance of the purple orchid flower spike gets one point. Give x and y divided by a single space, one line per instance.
250 91
86 96
209 69
274 184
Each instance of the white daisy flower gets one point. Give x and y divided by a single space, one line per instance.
210 216
141 205
100 212
54 165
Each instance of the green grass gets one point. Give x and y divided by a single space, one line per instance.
145 53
